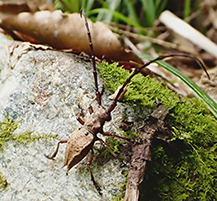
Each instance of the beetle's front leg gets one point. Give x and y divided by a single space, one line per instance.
90 108
80 120
55 153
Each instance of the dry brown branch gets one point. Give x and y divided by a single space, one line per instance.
142 153
153 40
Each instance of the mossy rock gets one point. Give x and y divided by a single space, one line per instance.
7 128
186 167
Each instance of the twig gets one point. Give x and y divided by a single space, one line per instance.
141 151
153 40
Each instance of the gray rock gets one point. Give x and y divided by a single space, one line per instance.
44 87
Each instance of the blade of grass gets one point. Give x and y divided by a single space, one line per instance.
132 13
87 5
70 6
187 7
160 6
111 5
116 15
74 5
210 103
149 9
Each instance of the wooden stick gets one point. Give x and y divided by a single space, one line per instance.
141 151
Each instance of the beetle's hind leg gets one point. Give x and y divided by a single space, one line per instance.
55 153
117 136
123 163
91 174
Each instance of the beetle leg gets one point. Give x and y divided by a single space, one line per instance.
80 120
55 153
118 136
88 164
104 144
91 174
90 108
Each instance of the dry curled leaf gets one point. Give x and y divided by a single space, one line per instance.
68 31
17 49
113 96
11 8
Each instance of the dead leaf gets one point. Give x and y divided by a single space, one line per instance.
68 31
12 8
17 49
113 96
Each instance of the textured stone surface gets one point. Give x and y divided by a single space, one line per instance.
44 87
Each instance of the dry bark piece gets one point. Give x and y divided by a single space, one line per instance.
67 31
142 153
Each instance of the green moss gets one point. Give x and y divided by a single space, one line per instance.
185 168
141 91
7 128
3 182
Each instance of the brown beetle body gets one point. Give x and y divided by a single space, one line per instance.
78 146
83 137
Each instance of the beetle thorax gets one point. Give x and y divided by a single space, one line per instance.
95 121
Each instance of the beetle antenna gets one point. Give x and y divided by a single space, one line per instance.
136 71
98 94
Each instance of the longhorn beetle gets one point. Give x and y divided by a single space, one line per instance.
84 136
